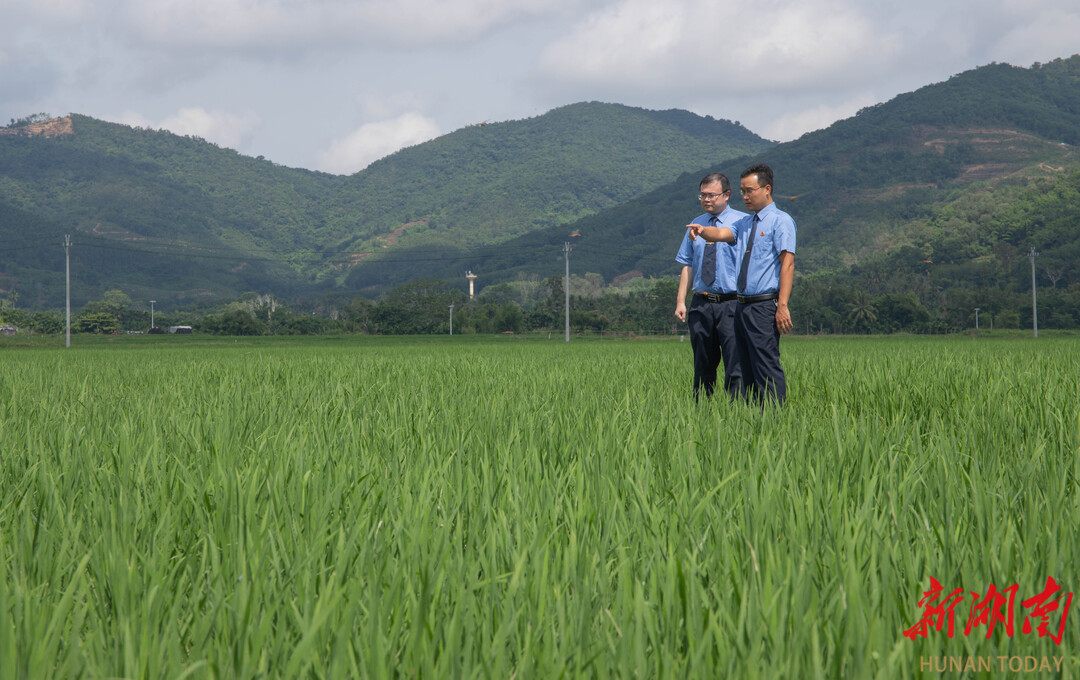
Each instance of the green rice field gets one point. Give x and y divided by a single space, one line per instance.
511 508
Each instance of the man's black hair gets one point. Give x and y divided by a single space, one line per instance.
763 172
725 185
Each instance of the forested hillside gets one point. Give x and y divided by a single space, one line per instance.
910 214
178 218
487 183
935 196
149 212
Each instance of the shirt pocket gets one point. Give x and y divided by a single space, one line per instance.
764 246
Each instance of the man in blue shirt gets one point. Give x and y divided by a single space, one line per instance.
711 269
766 270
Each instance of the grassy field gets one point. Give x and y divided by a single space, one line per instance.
499 508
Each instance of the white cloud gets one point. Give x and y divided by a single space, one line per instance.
221 127
26 77
388 104
780 66
760 47
234 24
134 119
792 125
448 20
52 11
634 41
1041 38
290 25
372 141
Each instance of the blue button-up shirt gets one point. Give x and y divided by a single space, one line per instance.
775 234
727 270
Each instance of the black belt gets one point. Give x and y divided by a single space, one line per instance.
718 297
747 299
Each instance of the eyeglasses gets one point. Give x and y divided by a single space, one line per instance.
748 191
711 197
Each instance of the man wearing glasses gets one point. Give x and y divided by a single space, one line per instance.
766 245
711 269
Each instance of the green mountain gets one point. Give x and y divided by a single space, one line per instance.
178 218
910 214
487 183
149 212
939 191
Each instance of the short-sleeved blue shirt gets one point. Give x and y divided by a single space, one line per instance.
775 234
691 252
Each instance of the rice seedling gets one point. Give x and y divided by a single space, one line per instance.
373 508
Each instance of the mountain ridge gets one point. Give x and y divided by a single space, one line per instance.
936 173
303 230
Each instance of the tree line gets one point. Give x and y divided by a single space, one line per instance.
901 295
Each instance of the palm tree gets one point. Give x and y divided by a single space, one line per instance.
862 311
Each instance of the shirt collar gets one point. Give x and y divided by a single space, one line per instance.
761 214
722 216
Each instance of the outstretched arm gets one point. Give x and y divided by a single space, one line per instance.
711 234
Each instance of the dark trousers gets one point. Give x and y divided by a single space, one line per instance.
759 342
712 337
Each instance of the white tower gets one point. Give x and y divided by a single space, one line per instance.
471 277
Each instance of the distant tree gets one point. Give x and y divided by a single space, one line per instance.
900 312
46 323
1053 274
591 285
117 304
498 294
861 311
261 307
94 322
509 318
288 323
117 298
1007 318
538 319
231 322
356 314
417 307
29 120
112 302
552 296
490 318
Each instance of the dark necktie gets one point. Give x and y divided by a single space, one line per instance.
746 256
708 260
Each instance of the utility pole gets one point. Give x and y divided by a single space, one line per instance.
566 285
976 318
67 275
152 314
1034 300
451 318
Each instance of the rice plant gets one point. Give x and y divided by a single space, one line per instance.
496 508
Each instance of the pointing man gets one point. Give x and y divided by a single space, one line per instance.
766 271
711 268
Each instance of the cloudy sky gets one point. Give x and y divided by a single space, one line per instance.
335 84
